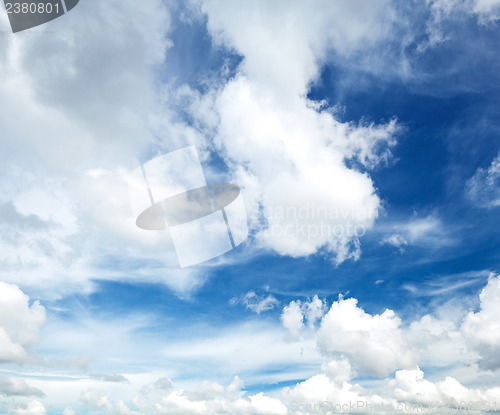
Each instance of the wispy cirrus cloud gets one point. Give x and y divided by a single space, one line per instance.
483 189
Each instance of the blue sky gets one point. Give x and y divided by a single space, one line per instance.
385 114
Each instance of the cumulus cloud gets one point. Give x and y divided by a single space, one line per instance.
380 344
334 391
18 387
410 386
294 314
292 318
484 187
353 344
308 198
288 152
19 323
213 398
321 394
374 343
34 407
482 329
339 371
439 341
98 400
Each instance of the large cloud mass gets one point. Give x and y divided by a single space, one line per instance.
482 329
19 323
374 343
288 152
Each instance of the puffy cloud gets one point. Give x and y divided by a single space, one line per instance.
286 151
482 329
339 371
294 314
360 344
19 323
294 160
213 398
34 407
17 387
375 344
314 310
320 394
438 341
65 198
293 318
98 400
484 187
282 42
410 386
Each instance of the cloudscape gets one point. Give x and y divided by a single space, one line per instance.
250 207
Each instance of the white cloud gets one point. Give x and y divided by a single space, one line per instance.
427 232
320 394
375 344
397 241
484 187
78 111
314 310
482 329
294 158
487 11
256 303
287 152
19 323
34 407
442 12
98 400
339 371
294 314
431 286
213 398
293 35
293 318
438 341
237 349
410 386
360 344
17 387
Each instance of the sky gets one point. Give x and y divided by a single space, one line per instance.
364 136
